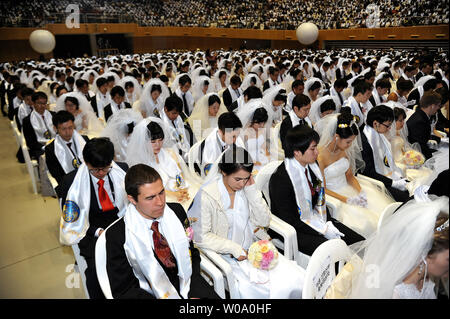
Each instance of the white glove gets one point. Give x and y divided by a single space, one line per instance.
363 199
332 232
400 184
396 176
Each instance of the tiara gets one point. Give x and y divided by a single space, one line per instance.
442 227
343 125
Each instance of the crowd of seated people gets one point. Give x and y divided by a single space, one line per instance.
119 135
283 15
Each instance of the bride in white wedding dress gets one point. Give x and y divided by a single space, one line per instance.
358 206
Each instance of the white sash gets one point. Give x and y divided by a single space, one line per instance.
233 94
315 217
40 127
189 99
151 108
356 110
178 133
64 155
75 218
115 108
382 152
212 149
101 103
138 249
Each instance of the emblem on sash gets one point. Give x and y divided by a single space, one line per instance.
207 169
47 135
386 162
156 112
179 180
71 211
357 118
75 163
321 199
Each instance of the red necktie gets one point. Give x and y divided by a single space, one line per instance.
103 197
162 248
313 192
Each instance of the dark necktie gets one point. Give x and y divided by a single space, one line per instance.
47 134
237 93
340 98
103 197
313 192
162 248
88 97
186 108
70 148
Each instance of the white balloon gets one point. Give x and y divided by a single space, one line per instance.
42 41
307 33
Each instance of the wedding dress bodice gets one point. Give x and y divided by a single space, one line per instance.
335 174
410 291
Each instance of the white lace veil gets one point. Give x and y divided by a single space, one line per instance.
310 82
139 149
326 127
398 247
144 101
137 86
246 82
314 112
94 126
198 86
117 129
176 83
201 113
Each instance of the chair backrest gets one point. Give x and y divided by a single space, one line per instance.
28 162
263 177
193 157
387 213
100 263
82 265
321 267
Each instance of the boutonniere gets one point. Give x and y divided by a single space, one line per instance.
317 185
188 227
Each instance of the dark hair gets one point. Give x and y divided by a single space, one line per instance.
300 100
440 238
409 68
297 83
399 112
295 72
38 95
281 96
155 87
155 131
253 80
299 138
138 175
80 83
429 98
26 92
362 88
70 80
62 117
117 90
430 85
344 129
164 78
253 92
443 92
129 84
369 75
260 116
235 79
174 102
110 79
98 152
100 82
74 100
213 98
328 105
404 85
380 113
234 159
383 83
184 79
316 85
340 83
59 89
229 120
272 70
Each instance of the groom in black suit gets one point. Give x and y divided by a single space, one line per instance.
419 124
145 191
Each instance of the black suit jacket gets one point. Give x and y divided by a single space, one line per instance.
227 99
419 131
414 95
124 283
286 125
34 147
97 218
94 105
53 164
283 203
266 85
233 106
108 110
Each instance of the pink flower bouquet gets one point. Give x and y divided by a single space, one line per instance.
263 255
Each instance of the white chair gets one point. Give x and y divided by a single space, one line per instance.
193 158
363 179
32 165
387 213
16 132
209 271
277 149
321 267
81 267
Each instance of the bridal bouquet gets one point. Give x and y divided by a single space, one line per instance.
263 255
413 158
